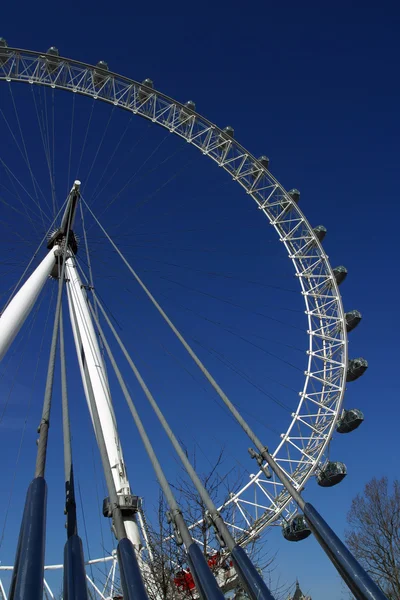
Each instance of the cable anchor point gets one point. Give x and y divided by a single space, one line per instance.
260 459
211 520
171 519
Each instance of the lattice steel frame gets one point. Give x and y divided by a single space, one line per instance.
302 447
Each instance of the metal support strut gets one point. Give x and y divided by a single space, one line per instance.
205 582
28 573
131 579
74 574
248 574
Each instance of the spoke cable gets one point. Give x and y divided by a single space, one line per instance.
46 150
70 140
105 170
86 136
99 146
132 177
33 257
242 422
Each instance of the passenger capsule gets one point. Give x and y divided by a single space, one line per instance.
145 89
264 160
4 54
229 131
52 60
296 530
295 196
331 474
99 74
356 368
349 420
187 111
190 105
352 319
223 138
320 232
340 274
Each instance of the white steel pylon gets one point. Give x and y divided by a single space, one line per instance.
15 314
89 356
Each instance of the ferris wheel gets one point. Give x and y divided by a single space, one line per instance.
270 494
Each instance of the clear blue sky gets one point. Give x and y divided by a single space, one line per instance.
316 89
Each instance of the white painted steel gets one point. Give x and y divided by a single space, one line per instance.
21 305
2 591
81 321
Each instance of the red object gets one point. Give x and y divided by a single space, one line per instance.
212 561
184 580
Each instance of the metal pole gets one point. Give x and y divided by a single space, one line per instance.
247 572
204 579
70 504
28 573
74 575
131 579
86 343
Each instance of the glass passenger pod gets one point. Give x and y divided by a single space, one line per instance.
349 420
264 160
331 474
340 274
295 196
4 53
296 530
223 139
100 73
186 115
145 90
356 368
320 232
52 59
352 319
189 108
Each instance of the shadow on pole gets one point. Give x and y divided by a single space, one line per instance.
357 579
131 578
74 582
28 573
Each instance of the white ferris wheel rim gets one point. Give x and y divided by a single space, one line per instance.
325 376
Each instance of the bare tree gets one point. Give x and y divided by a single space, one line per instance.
374 537
168 564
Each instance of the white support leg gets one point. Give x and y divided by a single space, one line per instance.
113 578
46 585
21 305
96 589
89 351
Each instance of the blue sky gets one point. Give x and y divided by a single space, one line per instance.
316 89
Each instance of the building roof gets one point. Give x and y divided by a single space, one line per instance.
298 594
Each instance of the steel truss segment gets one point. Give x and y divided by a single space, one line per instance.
327 357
